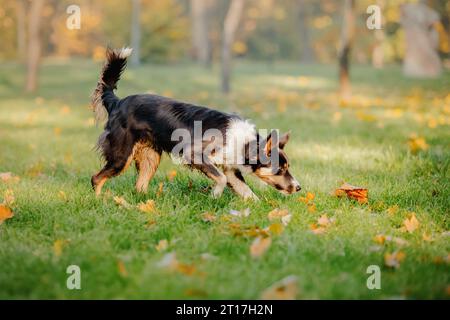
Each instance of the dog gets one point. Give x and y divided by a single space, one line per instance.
141 127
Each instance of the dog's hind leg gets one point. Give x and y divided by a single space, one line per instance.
237 183
147 161
117 161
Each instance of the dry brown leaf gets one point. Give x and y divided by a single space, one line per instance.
357 193
147 207
277 214
285 289
120 201
411 224
162 245
5 213
259 246
208 217
394 259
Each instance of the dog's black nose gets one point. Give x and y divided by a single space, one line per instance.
298 188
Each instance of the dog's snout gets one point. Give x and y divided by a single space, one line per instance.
298 188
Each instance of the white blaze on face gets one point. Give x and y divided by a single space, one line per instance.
239 133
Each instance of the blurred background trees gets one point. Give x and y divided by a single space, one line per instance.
167 31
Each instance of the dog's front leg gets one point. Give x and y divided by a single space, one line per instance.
212 172
237 183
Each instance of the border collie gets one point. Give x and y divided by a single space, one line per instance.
141 127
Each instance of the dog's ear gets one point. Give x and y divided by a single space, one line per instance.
269 142
284 139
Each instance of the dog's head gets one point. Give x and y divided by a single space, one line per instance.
275 169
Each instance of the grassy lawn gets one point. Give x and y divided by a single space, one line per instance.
47 141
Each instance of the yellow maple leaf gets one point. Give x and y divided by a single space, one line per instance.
276 229
162 245
411 224
285 289
416 144
5 213
259 246
147 207
379 238
310 196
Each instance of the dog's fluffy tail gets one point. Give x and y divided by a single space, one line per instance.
103 98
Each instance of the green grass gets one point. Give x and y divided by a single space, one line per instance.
367 147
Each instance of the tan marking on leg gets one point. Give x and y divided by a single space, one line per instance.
99 185
147 161
240 187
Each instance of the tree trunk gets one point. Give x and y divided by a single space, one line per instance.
135 32
229 29
201 44
34 44
307 52
378 50
21 29
422 40
347 36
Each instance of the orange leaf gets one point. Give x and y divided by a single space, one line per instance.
121 267
394 259
147 207
316 229
8 177
208 217
259 246
120 201
357 193
171 175
162 245
411 224
285 289
5 213
276 229
277 213
310 196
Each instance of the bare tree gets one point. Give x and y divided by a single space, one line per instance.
229 30
201 44
34 44
307 53
135 32
347 36
21 29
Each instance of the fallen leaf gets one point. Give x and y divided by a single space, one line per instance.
162 245
394 259
379 238
62 195
310 196
187 269
276 229
357 193
416 144
303 199
277 214
392 210
147 207
169 261
237 213
426 237
311 207
8 177
259 246
171 175
285 289
411 224
120 201
316 229
5 213
122 270
8 198
286 219
160 189
57 131
323 221
208 217
58 247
